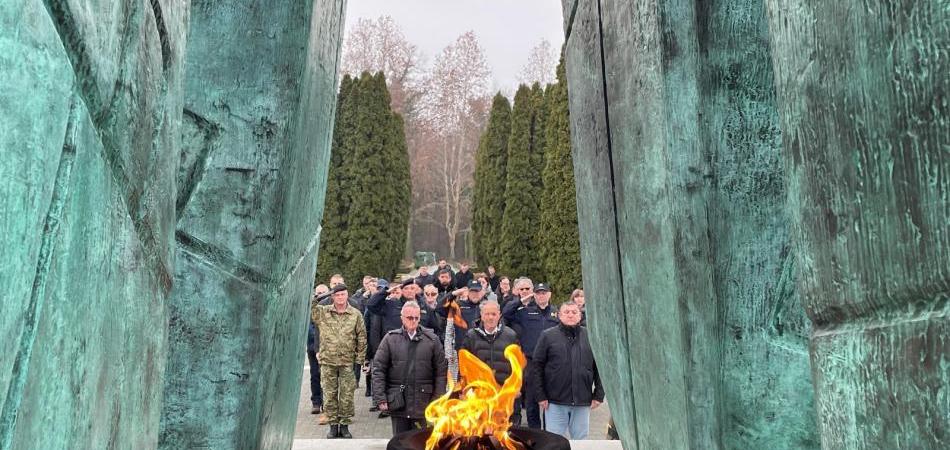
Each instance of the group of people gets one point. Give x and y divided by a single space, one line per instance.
397 334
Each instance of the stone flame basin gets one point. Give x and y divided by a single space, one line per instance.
530 438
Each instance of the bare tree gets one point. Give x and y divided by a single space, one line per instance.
453 113
541 65
380 45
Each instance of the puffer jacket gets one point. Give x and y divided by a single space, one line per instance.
490 348
390 366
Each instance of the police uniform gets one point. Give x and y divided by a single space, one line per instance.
529 321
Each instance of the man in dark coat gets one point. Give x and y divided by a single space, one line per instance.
430 306
445 266
387 303
493 278
445 281
463 276
488 343
409 371
530 315
565 376
424 277
489 340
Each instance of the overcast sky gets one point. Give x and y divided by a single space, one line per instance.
506 29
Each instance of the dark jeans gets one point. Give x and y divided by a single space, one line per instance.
316 392
401 424
528 393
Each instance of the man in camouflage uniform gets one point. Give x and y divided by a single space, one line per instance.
342 343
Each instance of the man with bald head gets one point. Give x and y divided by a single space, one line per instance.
488 343
490 339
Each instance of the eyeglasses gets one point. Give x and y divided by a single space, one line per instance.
411 318
431 294
524 289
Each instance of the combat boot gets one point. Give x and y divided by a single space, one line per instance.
334 431
345 432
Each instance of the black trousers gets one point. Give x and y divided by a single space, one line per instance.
401 424
529 397
316 392
369 381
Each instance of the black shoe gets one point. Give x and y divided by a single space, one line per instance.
383 414
345 432
317 409
373 408
334 432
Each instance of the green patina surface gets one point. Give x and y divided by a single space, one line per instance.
863 93
680 164
259 99
160 211
121 183
90 105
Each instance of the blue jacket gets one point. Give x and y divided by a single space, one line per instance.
388 310
529 322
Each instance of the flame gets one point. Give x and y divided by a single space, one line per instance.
455 313
482 407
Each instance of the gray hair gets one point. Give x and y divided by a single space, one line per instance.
481 306
410 305
523 280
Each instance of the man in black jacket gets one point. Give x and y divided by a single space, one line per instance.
424 277
430 316
445 281
463 276
409 371
566 381
489 340
488 343
387 303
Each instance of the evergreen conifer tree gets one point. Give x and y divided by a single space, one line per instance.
368 186
523 189
332 246
558 240
378 173
490 179
540 116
